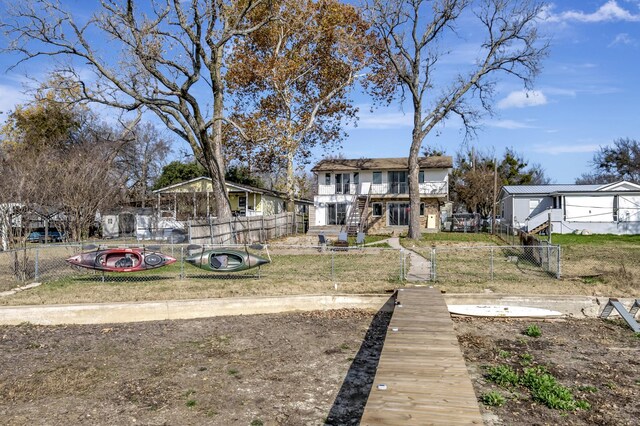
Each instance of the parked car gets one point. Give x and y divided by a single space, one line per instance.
52 236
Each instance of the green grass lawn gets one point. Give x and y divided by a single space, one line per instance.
455 238
598 239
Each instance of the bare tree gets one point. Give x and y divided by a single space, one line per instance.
166 56
142 160
415 34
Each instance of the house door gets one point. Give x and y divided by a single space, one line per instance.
398 214
336 213
242 205
398 182
342 183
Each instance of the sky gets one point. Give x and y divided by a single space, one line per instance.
587 95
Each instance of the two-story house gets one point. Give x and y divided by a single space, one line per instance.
372 194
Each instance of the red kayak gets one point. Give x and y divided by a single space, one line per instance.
121 260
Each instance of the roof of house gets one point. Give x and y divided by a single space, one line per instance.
435 162
569 188
231 187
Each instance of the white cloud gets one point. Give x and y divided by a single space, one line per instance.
622 38
10 96
565 149
385 120
522 99
608 12
508 124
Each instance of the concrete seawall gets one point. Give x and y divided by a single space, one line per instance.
98 313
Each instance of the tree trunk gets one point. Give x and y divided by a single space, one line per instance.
290 183
213 145
414 171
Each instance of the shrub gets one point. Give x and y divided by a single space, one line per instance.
503 375
493 399
532 331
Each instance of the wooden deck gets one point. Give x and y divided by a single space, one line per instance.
422 367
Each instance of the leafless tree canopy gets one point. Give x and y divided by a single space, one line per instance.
416 35
166 56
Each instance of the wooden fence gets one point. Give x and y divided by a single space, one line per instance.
241 230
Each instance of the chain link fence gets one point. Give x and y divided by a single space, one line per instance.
495 263
293 269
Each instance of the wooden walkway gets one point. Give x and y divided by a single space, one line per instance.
422 367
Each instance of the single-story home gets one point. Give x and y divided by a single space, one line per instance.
598 209
193 199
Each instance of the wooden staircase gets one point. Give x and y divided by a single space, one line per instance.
539 228
356 219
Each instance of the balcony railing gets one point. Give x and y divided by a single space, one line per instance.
435 188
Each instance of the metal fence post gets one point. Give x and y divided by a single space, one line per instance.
559 257
36 272
401 265
491 264
181 263
433 264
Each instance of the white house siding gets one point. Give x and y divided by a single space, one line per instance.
110 227
436 175
589 208
321 202
618 228
628 208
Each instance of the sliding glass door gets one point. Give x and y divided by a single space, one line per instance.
398 183
398 214
336 213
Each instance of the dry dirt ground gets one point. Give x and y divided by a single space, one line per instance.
597 360
290 369
285 369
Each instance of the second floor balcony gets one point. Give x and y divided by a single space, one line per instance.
434 188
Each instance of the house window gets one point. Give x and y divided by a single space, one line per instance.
376 209
398 182
398 214
356 178
342 183
110 221
377 178
327 178
421 209
533 204
421 176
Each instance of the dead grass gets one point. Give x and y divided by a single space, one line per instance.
463 265
296 270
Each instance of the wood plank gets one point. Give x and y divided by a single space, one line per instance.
422 367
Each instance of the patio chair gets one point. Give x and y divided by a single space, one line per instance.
322 242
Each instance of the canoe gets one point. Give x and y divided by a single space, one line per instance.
225 260
502 311
121 260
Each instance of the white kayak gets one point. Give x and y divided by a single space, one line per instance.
502 311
